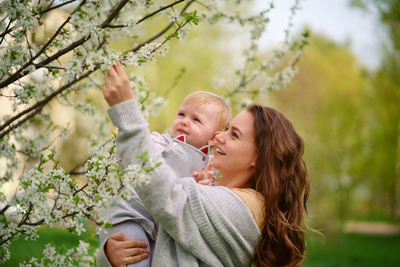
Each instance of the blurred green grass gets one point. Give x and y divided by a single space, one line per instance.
353 250
340 250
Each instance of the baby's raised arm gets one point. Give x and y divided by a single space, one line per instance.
126 246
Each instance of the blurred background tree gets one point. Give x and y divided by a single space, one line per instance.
384 102
350 117
326 100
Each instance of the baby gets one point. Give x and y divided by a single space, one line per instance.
199 117
185 150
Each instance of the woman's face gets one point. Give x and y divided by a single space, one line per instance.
235 148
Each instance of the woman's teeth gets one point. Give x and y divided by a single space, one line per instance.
220 151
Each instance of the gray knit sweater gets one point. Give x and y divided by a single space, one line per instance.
198 225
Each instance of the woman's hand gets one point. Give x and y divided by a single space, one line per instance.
116 87
206 176
121 251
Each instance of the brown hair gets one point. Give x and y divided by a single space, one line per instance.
281 177
204 97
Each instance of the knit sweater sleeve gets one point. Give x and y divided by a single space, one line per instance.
212 224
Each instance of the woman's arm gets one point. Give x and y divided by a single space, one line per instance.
117 249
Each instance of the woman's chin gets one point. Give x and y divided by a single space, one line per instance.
216 163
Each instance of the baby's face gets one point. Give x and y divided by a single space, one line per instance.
198 122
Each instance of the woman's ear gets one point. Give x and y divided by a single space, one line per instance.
253 164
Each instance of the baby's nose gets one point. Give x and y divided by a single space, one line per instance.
185 122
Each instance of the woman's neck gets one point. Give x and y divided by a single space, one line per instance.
230 180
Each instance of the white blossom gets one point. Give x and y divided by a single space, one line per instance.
173 16
181 34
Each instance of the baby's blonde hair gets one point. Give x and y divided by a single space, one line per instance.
204 97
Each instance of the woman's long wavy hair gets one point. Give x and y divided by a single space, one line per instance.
281 177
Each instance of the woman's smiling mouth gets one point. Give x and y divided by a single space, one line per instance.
219 151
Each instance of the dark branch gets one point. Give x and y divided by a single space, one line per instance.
157 11
147 16
80 190
57 6
8 30
38 66
29 45
4 209
26 216
36 223
76 212
136 48
115 26
9 238
114 13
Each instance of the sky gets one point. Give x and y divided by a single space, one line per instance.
334 19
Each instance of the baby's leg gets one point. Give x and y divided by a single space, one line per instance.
134 231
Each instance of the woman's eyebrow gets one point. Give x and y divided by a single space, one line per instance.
236 129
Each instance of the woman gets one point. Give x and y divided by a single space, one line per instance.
255 211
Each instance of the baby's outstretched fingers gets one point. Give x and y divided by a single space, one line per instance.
116 87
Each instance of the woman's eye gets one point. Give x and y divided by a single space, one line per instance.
196 119
235 135
181 114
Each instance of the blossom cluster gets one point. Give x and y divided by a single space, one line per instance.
72 257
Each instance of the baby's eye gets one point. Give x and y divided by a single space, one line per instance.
196 119
181 114
226 129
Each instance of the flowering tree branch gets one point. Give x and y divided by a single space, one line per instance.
35 109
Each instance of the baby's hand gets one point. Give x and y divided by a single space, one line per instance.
206 176
116 87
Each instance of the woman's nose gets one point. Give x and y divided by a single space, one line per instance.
219 137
